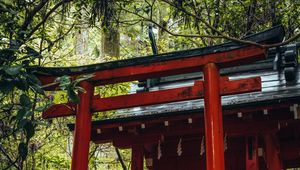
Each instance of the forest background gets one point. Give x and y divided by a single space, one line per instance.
79 32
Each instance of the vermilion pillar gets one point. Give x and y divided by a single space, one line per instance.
252 153
213 118
137 157
273 159
82 129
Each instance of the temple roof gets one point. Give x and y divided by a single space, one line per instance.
272 35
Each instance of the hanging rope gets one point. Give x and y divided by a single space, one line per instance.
159 153
202 148
179 148
225 142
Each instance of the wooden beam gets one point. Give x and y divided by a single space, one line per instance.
156 97
125 140
60 110
153 134
149 98
167 68
197 116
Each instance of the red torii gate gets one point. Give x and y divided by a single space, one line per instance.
211 89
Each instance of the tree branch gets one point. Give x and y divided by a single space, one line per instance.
170 32
295 37
222 35
46 17
32 13
120 158
12 163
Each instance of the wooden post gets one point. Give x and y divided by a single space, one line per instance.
137 157
251 153
273 159
82 129
213 119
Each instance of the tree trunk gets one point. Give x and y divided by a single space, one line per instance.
251 16
273 12
110 43
81 41
217 14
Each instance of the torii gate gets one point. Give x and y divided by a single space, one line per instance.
211 89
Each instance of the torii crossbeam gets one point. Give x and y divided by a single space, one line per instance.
211 89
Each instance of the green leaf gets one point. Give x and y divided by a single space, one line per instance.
42 123
33 79
23 150
38 89
6 87
13 70
25 101
22 84
64 82
21 123
40 109
7 106
72 95
32 52
29 130
28 114
21 113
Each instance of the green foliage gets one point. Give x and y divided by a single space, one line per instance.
23 151
65 83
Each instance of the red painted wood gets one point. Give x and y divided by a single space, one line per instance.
174 95
153 134
214 87
240 86
167 68
157 97
184 118
149 98
60 110
82 129
213 119
290 150
273 159
251 153
191 158
137 157
127 140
